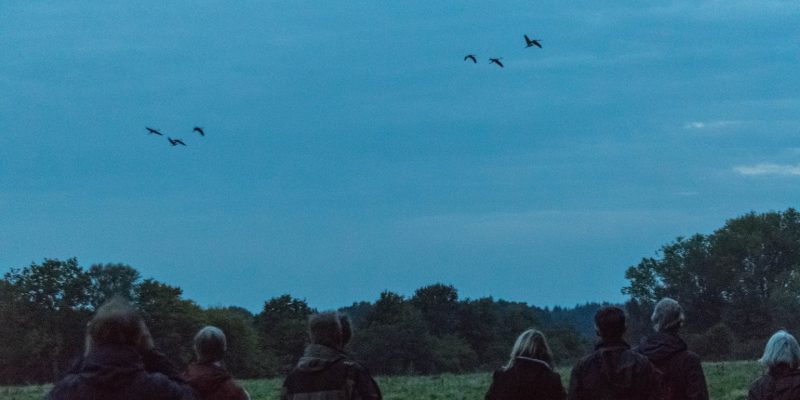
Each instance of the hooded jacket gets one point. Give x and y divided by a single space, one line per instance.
780 383
210 381
613 372
681 375
325 373
117 372
527 379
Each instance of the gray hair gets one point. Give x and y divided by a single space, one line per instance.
210 344
531 344
782 348
667 316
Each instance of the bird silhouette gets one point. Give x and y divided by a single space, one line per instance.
153 131
176 142
496 61
199 130
471 57
532 42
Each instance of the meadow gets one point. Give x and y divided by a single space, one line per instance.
726 381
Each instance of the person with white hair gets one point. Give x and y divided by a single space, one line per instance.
207 376
529 374
681 376
782 380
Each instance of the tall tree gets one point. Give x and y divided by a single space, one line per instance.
48 306
438 304
282 325
109 280
172 320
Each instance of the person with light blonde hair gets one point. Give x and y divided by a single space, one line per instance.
207 375
528 374
782 379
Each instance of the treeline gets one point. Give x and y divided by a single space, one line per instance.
44 309
737 285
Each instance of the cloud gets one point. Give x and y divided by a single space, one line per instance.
719 124
768 169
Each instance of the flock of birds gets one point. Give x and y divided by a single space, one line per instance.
174 142
528 42
471 57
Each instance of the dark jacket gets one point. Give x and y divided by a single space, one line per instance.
780 383
681 375
324 373
613 372
528 379
117 372
210 381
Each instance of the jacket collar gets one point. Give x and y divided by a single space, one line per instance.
604 344
535 361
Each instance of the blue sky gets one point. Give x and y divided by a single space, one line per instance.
350 150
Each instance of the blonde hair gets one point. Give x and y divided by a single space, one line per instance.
531 344
782 348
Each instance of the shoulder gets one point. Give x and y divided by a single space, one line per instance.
160 386
587 360
354 367
640 358
234 390
65 388
760 386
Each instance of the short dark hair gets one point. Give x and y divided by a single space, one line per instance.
116 322
610 322
325 329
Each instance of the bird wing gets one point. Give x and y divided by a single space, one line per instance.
527 39
499 63
536 42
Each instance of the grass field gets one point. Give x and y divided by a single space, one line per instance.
726 381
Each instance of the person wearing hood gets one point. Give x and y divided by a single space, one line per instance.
782 380
325 372
529 374
681 375
208 376
613 371
120 362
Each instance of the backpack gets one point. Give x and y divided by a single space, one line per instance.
334 383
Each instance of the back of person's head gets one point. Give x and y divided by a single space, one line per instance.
210 344
667 316
610 322
116 322
347 328
531 344
325 329
781 349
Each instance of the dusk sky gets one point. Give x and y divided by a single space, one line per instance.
350 149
